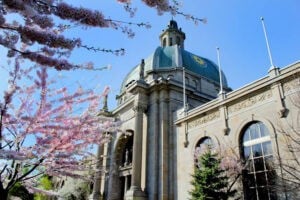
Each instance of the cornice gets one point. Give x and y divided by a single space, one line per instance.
262 84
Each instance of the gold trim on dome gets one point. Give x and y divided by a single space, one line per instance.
199 60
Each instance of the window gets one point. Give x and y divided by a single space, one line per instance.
195 84
178 40
127 152
259 175
164 42
170 41
202 145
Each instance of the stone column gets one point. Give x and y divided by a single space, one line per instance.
163 145
105 168
125 183
97 179
135 191
152 142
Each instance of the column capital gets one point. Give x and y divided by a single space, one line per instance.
140 108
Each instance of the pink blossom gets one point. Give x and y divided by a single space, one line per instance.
48 38
48 61
161 5
106 91
84 16
33 189
62 136
12 155
124 1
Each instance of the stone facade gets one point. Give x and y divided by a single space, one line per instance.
270 100
152 157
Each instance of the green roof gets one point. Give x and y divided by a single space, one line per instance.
173 57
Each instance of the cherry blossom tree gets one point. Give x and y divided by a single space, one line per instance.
45 130
34 29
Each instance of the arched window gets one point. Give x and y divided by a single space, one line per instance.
259 174
164 42
205 142
127 152
123 159
202 146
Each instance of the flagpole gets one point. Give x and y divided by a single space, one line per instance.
267 43
184 95
220 72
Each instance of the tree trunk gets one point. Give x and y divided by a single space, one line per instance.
3 194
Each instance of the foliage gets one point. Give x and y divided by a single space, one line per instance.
49 131
45 183
209 180
34 29
42 129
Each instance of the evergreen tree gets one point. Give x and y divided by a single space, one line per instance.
209 180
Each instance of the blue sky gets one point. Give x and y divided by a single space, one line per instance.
233 25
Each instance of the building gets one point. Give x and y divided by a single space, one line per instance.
153 156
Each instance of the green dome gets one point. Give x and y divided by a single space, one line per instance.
170 57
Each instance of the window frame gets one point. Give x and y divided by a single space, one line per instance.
257 141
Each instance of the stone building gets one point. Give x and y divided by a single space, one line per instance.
153 156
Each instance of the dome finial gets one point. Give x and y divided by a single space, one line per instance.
173 24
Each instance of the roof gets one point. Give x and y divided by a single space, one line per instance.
175 57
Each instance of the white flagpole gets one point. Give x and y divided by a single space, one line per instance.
184 95
220 72
267 42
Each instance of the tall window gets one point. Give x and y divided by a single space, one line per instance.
259 175
178 40
170 41
164 42
202 145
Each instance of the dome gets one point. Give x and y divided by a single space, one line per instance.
171 57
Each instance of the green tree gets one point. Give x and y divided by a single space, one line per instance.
45 183
209 180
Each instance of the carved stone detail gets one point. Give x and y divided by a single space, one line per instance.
140 108
291 86
204 119
282 113
250 101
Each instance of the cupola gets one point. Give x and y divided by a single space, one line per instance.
172 36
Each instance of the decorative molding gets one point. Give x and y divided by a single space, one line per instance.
250 101
226 131
140 108
204 119
291 86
